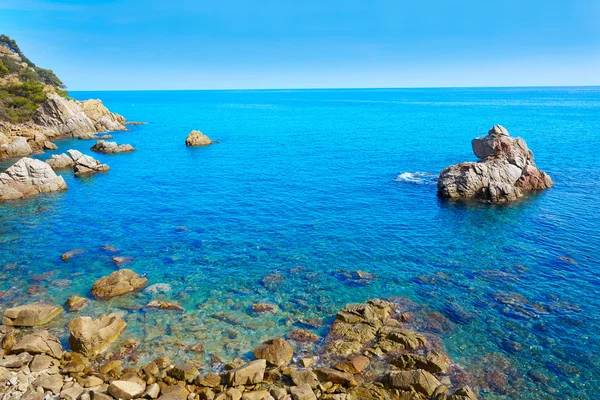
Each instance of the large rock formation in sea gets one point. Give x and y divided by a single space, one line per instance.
86 165
28 177
504 173
65 116
197 138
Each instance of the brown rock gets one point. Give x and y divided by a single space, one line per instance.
117 284
33 314
164 305
303 392
354 365
419 380
277 352
301 335
335 376
91 337
197 138
185 372
40 342
248 374
76 303
125 390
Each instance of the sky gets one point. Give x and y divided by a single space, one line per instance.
271 44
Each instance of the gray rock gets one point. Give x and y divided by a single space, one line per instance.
504 173
65 116
102 146
60 161
29 177
86 165
18 147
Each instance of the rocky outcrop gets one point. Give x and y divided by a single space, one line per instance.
111 147
197 138
101 117
60 162
117 284
92 336
86 165
40 342
17 147
33 314
65 116
29 177
504 173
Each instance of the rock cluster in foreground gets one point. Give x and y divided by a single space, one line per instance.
28 177
370 354
504 173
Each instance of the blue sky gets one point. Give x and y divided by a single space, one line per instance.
150 44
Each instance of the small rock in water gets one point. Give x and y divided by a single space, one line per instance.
76 303
263 307
197 138
164 305
121 260
301 335
110 248
69 254
158 288
364 275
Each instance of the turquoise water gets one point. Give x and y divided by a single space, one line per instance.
308 179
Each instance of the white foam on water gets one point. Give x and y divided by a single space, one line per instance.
420 178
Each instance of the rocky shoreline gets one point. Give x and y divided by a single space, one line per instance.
371 352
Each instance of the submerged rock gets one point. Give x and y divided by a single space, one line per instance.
505 171
86 165
197 138
117 284
164 305
93 336
33 314
102 146
29 177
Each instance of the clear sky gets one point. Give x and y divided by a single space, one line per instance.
152 44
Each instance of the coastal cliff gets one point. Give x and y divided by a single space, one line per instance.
35 109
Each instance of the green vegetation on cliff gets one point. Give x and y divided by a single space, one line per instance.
23 85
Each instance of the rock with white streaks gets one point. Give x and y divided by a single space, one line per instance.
29 177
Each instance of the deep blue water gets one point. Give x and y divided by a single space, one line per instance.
308 178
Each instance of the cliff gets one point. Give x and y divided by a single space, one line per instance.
35 108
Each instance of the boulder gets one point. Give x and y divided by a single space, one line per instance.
101 117
40 342
28 177
354 365
76 303
248 374
418 380
504 173
117 284
60 161
86 165
93 336
65 116
125 390
102 146
303 392
53 383
33 314
277 352
18 147
335 376
197 138
185 372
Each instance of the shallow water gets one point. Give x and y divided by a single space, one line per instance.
309 178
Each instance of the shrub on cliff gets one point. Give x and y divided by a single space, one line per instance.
19 100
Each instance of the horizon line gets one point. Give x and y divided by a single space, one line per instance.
338 88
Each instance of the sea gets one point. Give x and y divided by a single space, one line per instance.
307 187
